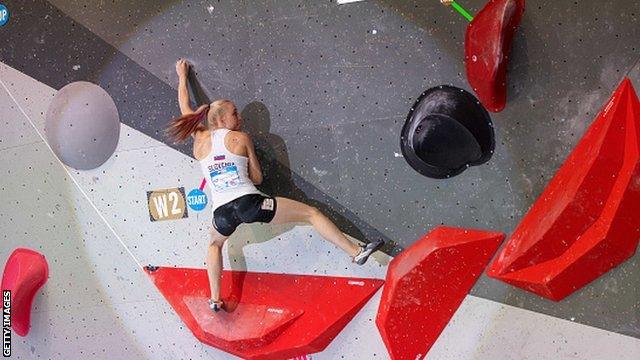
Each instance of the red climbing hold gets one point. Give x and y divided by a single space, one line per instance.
247 326
268 316
487 48
24 273
425 285
586 221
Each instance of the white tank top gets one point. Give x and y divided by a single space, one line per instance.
226 172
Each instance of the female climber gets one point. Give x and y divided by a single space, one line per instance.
229 163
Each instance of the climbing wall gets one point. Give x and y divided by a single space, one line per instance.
95 290
325 89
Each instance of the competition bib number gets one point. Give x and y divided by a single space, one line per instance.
225 177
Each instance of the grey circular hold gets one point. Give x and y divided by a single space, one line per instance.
82 125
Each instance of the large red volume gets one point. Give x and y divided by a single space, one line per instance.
24 274
487 46
586 221
425 285
269 316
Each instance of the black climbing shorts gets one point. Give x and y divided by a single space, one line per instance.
245 209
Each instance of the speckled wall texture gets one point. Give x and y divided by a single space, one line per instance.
325 89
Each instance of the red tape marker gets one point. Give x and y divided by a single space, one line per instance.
203 183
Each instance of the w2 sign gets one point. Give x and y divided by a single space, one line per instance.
167 204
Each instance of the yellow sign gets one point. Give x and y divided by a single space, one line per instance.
167 204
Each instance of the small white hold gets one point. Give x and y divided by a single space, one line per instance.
76 67
320 172
210 9
397 155
374 31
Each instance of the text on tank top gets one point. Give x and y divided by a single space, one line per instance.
226 172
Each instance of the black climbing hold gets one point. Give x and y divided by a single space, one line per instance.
447 130
151 268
